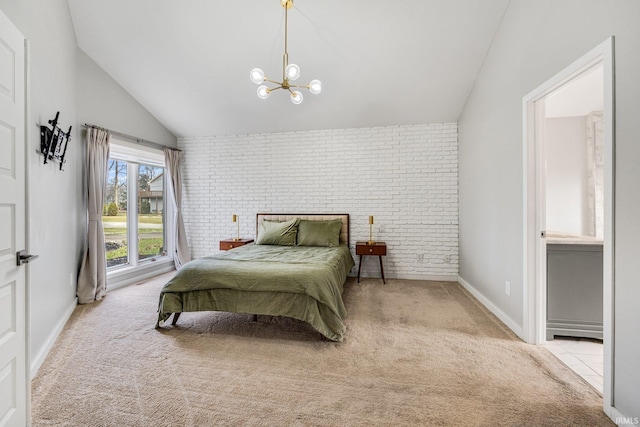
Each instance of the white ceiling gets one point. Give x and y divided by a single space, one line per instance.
380 62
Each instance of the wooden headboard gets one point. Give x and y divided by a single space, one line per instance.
344 231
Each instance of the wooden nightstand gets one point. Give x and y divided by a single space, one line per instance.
376 248
225 245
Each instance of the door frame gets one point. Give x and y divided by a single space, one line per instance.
28 133
534 257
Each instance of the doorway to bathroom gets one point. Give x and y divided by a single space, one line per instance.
573 187
568 135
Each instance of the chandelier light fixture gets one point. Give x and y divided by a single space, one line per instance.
290 72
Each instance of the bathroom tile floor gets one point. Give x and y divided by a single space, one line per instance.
583 355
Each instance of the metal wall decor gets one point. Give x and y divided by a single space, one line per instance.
54 142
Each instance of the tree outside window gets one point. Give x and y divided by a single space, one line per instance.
148 220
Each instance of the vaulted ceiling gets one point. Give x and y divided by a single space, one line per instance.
380 62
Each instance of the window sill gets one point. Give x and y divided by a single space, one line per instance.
124 276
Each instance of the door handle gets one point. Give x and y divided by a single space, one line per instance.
23 258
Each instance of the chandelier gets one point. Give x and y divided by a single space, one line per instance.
290 72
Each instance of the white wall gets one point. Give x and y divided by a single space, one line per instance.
405 176
535 41
565 145
57 212
103 102
56 208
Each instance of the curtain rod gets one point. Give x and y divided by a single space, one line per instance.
132 138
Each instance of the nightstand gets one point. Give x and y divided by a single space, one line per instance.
375 248
225 245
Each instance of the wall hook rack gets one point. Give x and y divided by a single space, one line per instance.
54 141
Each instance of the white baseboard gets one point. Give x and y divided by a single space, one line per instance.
509 322
36 362
435 278
620 419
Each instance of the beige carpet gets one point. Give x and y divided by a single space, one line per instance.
415 353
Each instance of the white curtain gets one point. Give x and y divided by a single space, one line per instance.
173 161
92 281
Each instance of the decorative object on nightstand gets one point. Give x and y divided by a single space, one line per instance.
236 219
225 245
371 248
371 242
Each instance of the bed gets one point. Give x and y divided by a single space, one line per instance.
296 268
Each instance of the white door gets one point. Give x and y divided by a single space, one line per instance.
13 372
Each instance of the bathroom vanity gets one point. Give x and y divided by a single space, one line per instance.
574 286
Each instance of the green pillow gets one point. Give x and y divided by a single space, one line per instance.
319 233
278 233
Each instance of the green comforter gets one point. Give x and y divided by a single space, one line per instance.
304 283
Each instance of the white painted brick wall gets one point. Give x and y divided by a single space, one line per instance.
405 176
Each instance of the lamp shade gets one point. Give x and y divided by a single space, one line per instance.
292 72
263 92
315 87
296 97
256 75
371 219
234 218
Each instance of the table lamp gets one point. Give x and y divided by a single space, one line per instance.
235 219
371 242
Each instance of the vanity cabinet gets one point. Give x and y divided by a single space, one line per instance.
574 290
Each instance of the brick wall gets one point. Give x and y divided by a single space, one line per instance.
405 176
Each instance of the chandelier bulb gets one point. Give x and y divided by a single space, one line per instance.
263 92
315 87
296 97
292 72
256 75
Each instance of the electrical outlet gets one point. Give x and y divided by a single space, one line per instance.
381 229
419 257
507 288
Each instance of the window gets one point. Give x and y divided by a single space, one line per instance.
114 214
150 211
134 214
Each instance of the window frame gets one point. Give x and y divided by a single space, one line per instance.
136 270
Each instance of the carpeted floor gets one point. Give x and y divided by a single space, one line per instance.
415 354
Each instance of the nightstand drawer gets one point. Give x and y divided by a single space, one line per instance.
378 248
225 245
